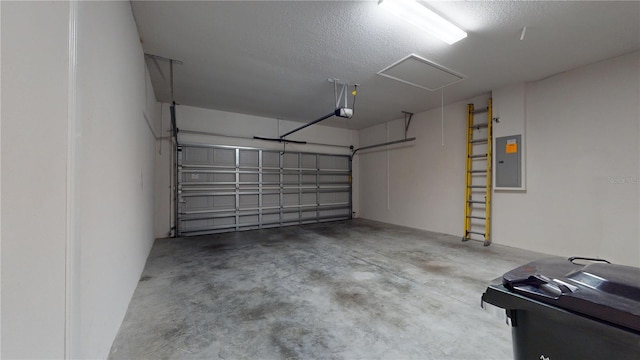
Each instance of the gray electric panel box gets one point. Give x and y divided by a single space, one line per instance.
508 161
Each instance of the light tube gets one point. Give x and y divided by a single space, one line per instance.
422 17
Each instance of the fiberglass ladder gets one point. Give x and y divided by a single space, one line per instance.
477 209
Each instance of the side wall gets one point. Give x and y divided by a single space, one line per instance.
34 184
77 191
582 167
196 126
418 184
115 170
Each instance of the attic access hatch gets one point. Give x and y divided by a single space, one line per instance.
420 72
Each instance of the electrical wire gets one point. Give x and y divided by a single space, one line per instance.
161 126
355 92
353 104
387 168
442 114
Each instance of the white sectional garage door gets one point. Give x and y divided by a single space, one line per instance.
225 188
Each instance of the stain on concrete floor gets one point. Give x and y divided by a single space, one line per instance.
346 290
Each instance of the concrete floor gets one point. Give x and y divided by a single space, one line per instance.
345 290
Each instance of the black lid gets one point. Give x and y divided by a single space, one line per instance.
597 289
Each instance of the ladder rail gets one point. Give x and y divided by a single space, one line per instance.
470 211
487 221
467 196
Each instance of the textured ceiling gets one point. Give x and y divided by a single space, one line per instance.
273 58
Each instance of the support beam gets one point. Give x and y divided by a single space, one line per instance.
308 124
407 121
279 140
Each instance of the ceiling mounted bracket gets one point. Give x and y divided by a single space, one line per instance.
407 121
343 111
158 57
155 59
174 126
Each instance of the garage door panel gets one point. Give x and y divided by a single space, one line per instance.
271 218
202 156
249 177
291 199
199 177
333 197
309 179
269 178
271 159
309 214
309 161
269 200
224 157
249 220
249 158
290 160
209 202
249 201
329 162
334 179
333 213
230 188
290 179
203 225
309 198
292 216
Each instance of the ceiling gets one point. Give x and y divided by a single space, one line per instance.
274 58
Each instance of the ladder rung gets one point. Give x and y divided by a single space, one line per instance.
475 208
478 126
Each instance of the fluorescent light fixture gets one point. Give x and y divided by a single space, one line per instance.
415 13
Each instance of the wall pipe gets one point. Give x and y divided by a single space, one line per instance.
383 144
174 130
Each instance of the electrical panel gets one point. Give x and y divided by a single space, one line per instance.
508 166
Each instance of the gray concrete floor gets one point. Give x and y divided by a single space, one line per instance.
345 290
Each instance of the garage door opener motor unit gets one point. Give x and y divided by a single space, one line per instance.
343 111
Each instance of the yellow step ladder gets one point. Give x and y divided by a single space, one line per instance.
477 208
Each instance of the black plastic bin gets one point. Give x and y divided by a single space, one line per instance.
576 308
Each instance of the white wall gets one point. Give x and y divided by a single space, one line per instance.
33 194
116 116
583 158
237 130
417 184
77 175
509 110
582 167
0 189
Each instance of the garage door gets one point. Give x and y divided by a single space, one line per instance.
225 188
